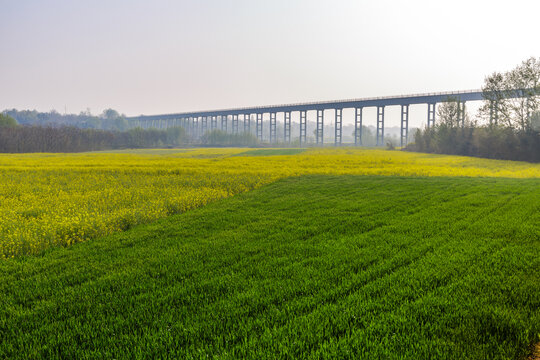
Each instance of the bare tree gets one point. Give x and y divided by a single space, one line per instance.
512 97
448 114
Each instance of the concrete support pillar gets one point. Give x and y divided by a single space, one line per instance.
196 127
213 122
380 125
287 127
303 127
235 124
431 114
247 123
224 123
320 127
358 126
204 124
461 112
273 127
259 127
404 125
338 127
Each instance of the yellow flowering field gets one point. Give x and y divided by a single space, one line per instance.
60 199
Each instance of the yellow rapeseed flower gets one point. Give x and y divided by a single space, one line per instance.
61 199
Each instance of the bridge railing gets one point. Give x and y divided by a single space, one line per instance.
325 102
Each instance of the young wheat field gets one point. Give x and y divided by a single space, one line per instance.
60 199
268 254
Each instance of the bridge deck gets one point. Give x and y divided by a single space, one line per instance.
428 98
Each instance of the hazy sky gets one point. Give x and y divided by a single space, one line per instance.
159 56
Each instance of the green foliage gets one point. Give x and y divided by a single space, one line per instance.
337 267
110 114
71 139
7 121
110 119
513 131
450 136
368 137
144 138
222 138
494 142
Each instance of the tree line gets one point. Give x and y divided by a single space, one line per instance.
109 119
24 139
508 124
15 138
221 138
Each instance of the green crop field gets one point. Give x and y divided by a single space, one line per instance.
307 267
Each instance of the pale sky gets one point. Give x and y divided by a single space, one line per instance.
160 56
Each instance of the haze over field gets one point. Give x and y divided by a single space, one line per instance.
172 56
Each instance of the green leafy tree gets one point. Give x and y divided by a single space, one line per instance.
7 121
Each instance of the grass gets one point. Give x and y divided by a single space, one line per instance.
358 267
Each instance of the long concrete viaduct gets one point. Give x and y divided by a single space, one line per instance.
196 123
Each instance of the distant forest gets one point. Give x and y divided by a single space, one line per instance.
32 131
24 139
110 119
